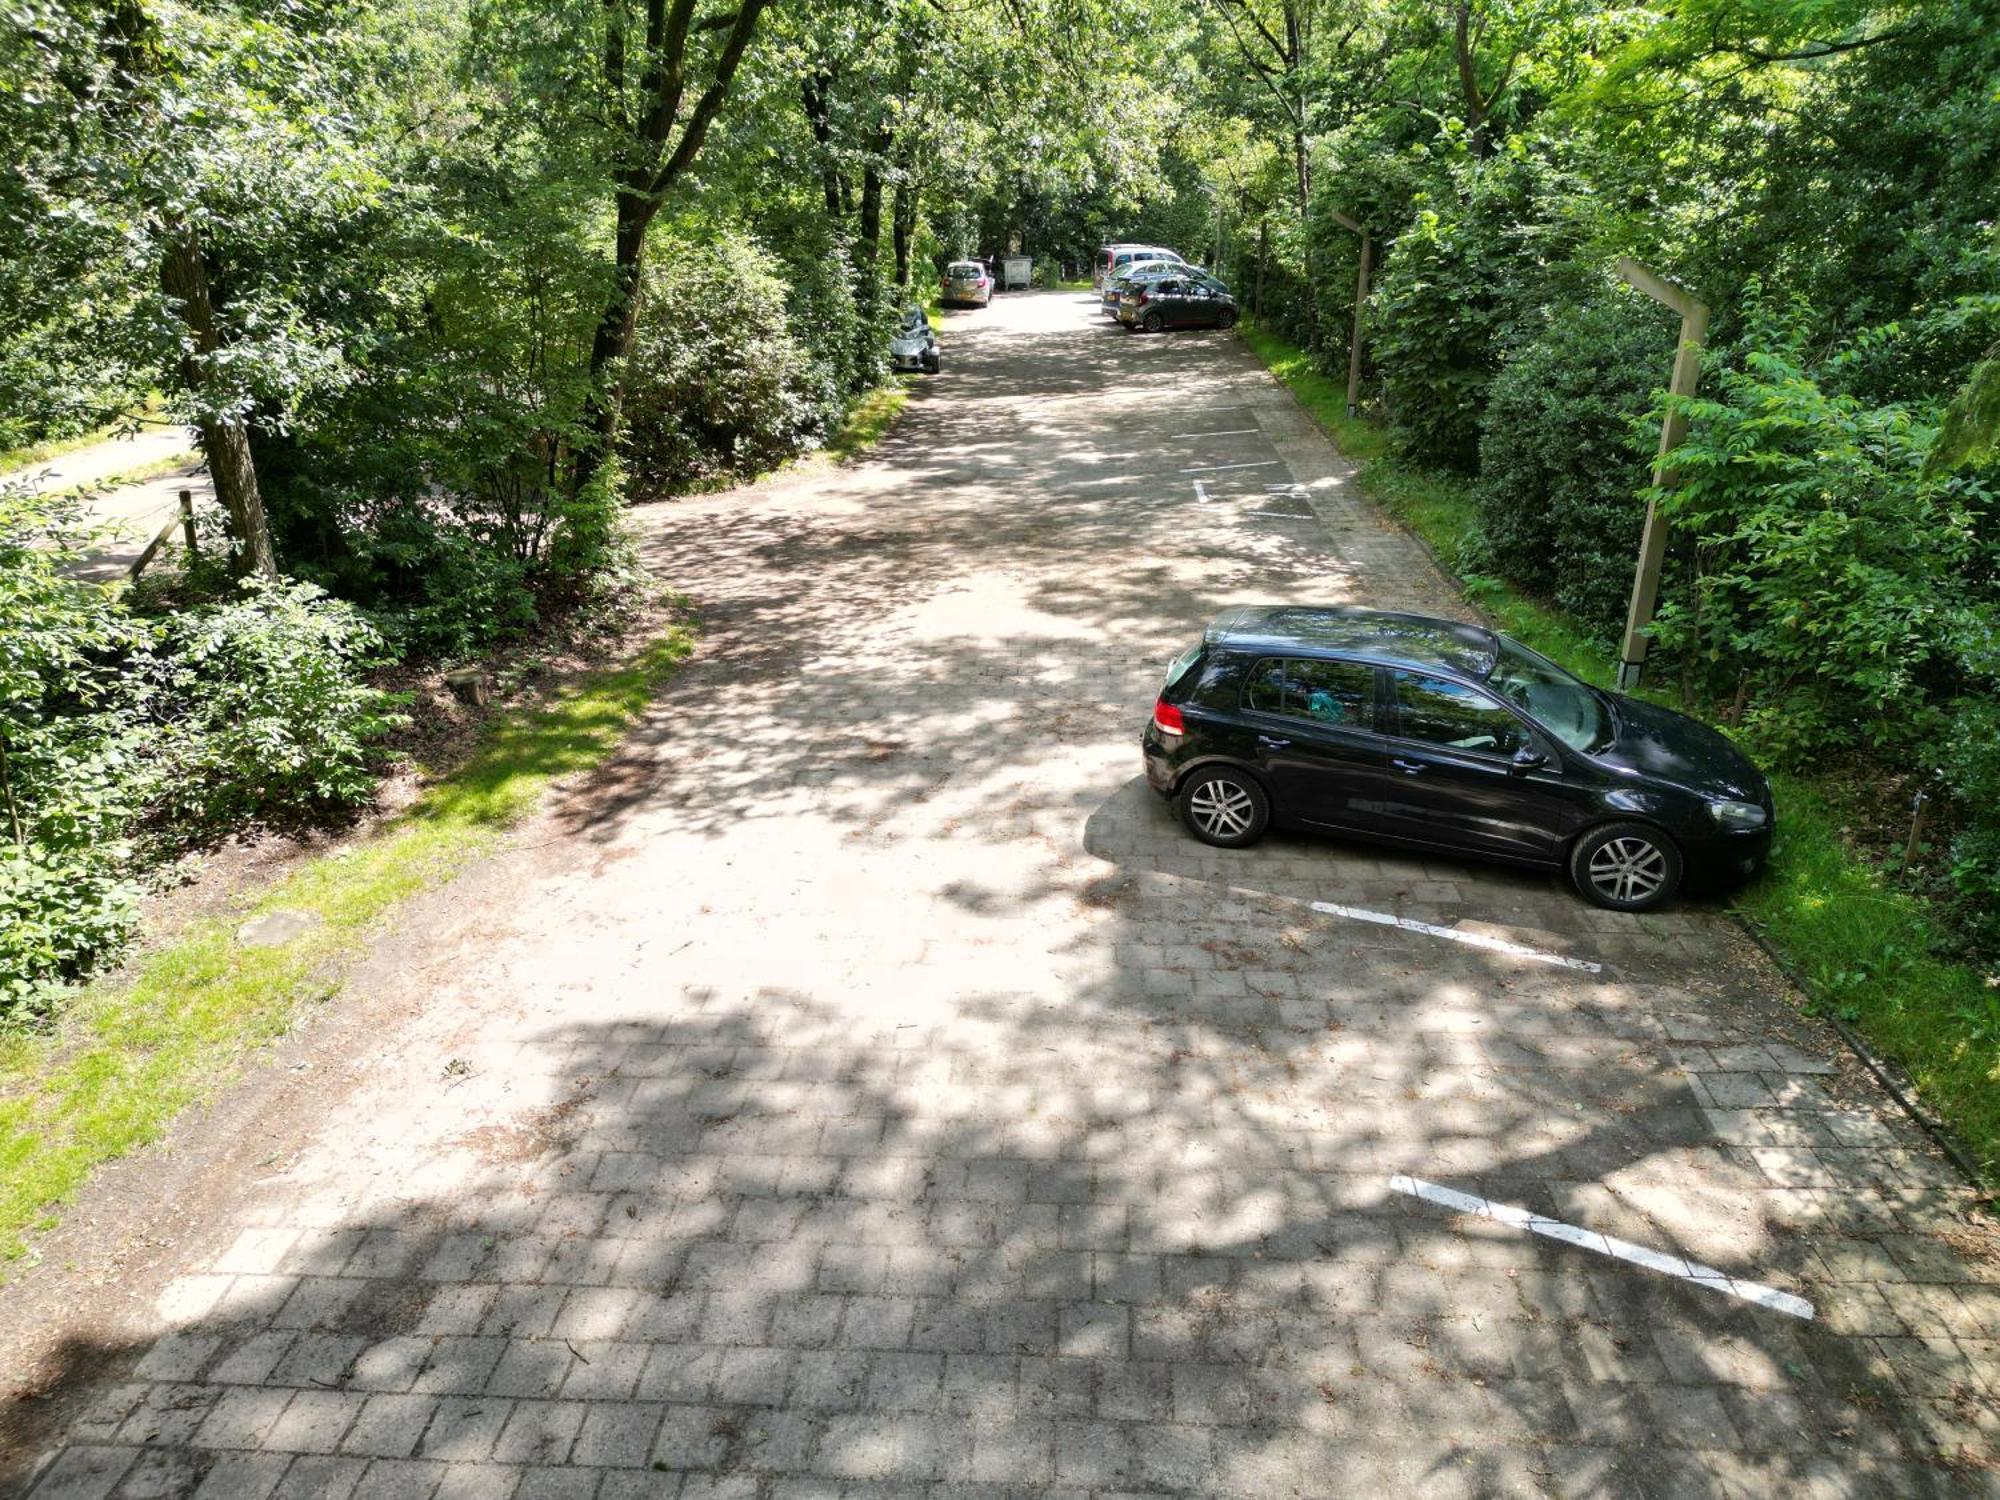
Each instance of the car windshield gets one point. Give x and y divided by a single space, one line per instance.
1557 701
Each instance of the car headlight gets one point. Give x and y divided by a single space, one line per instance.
1737 814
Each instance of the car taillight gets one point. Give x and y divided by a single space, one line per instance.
1167 718
1140 299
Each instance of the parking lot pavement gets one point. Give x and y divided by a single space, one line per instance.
866 1089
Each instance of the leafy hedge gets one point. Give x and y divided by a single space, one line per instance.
719 386
124 737
1847 594
1563 456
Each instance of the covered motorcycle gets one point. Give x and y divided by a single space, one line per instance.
915 346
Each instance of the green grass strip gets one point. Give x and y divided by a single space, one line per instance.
1874 955
869 418
131 1056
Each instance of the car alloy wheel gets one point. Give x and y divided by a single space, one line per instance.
1226 318
1154 322
1626 867
1225 807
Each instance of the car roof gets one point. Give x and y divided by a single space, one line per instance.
1416 641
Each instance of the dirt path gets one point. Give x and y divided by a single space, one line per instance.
865 1088
132 513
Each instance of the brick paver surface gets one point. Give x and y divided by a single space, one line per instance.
867 1089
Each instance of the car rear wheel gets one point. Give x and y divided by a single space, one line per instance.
1224 807
1625 867
1153 322
1226 318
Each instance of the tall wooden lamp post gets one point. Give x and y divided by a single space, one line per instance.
1360 303
1653 543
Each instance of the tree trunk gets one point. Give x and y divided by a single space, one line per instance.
1263 253
613 338
868 236
1311 292
651 172
903 228
225 440
817 92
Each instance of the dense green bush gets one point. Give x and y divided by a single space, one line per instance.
123 737
1845 586
1971 765
718 387
262 709
1561 473
1493 239
71 756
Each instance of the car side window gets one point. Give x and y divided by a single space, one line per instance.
1456 716
1168 286
1326 692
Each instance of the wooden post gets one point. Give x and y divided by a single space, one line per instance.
1360 310
1360 304
1653 542
187 519
1263 249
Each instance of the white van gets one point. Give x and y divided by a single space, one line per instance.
1113 259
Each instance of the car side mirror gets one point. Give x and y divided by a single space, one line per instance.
1528 758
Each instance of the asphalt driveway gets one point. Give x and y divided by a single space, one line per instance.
866 1089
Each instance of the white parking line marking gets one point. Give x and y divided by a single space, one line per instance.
1200 493
1207 468
1603 1244
1181 437
1452 934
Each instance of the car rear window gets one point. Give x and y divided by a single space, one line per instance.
966 268
1180 666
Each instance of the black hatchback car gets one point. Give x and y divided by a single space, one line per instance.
1440 736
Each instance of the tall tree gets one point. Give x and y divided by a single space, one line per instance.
665 75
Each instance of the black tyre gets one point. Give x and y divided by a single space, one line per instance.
1224 806
934 365
1226 318
1625 867
1153 322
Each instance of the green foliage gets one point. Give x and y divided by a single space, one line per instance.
719 388
123 737
1561 470
1971 767
260 709
137 1052
1829 570
1452 293
1970 437
71 757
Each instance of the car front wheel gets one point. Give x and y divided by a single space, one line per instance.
1225 807
1626 867
1226 318
1154 322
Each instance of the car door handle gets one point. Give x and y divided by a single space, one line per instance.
1408 767
1272 742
